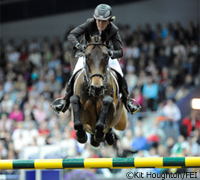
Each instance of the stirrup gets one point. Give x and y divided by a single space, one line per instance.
138 106
57 102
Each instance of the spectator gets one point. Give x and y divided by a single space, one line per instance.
189 81
188 64
43 133
54 62
190 123
3 150
179 145
151 67
155 135
127 139
35 58
169 143
194 147
133 51
16 114
39 114
131 77
8 86
150 93
179 49
182 92
148 32
162 60
10 46
5 123
23 58
32 134
173 115
169 91
20 138
13 56
139 142
34 45
137 95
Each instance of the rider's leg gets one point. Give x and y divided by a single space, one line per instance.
64 105
128 102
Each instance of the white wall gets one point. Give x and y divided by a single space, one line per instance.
151 11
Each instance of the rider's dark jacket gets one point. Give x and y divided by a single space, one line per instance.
111 32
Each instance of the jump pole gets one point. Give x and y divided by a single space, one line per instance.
96 163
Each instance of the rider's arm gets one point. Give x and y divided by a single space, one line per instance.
117 43
77 32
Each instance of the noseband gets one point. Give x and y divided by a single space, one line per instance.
88 76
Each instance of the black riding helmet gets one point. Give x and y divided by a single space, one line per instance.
102 12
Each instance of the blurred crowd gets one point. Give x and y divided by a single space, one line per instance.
161 66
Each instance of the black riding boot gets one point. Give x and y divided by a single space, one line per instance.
64 105
128 102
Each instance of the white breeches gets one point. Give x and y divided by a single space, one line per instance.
112 63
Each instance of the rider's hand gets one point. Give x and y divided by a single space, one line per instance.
110 53
80 47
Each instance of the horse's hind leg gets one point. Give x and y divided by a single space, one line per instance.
121 125
100 125
78 125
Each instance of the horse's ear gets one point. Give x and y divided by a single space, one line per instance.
87 36
103 36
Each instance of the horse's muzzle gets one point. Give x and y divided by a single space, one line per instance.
96 90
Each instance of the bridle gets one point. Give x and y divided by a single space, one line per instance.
88 76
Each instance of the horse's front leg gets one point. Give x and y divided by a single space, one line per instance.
99 134
78 124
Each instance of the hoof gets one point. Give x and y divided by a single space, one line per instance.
81 137
78 125
99 126
93 142
99 136
110 138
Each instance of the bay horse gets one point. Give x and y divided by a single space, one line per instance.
96 104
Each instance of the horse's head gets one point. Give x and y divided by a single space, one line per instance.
96 64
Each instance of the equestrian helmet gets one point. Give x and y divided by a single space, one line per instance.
102 12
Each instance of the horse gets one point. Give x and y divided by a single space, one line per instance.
96 105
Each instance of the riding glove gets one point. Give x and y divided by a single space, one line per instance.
80 47
110 53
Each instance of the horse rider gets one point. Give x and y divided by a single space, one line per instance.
101 22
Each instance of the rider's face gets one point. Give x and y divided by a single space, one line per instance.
102 24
